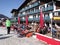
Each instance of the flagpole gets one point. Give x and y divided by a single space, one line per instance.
51 26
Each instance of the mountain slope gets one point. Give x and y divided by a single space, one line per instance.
3 16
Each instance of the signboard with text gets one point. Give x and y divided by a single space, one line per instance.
56 18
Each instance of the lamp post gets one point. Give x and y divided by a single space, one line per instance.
51 16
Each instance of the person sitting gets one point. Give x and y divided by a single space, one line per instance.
37 30
23 26
44 30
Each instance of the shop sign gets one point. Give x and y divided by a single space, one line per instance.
56 18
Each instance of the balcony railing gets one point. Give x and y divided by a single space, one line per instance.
50 8
22 15
47 18
30 19
22 19
47 8
33 5
36 19
43 9
37 11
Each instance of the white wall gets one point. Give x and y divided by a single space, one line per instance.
30 16
54 6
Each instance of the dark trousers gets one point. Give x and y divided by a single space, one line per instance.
8 30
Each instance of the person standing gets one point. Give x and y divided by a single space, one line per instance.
8 25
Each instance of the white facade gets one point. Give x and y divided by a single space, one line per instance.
31 16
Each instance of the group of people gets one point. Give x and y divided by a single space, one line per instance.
21 29
43 30
16 27
24 27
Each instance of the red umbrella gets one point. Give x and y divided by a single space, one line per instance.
18 20
26 20
41 19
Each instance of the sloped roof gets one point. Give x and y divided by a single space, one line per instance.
24 3
14 10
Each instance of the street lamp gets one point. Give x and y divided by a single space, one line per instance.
51 16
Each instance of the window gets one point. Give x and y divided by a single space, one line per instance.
30 16
43 8
45 5
32 10
36 15
56 14
30 5
23 12
26 7
23 18
37 8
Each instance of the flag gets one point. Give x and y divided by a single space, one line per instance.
26 20
41 19
18 20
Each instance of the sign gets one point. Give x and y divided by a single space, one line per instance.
56 18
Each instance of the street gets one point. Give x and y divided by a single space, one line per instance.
12 39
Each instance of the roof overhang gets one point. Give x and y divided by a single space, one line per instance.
44 1
14 10
27 1
23 5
